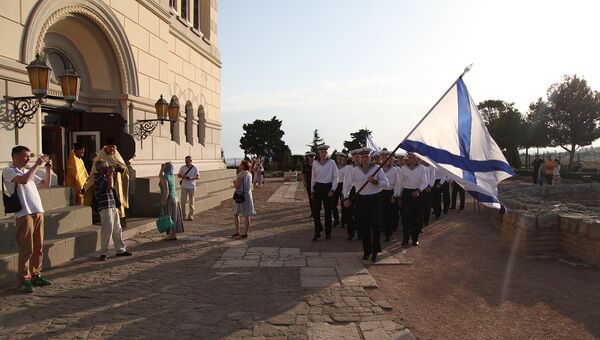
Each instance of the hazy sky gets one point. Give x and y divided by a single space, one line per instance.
342 65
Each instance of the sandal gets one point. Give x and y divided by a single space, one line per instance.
244 236
235 235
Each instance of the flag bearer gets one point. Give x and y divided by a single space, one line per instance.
368 200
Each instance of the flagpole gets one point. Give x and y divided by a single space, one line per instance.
467 69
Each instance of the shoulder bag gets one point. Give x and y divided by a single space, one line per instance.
240 197
188 170
11 203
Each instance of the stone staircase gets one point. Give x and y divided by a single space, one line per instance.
212 188
69 232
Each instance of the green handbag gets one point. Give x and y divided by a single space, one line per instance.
164 223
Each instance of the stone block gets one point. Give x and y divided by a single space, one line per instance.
319 281
323 330
594 231
317 271
527 221
548 220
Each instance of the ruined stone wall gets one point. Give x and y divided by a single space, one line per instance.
550 220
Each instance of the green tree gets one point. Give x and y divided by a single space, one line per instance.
574 114
262 138
316 142
505 124
358 140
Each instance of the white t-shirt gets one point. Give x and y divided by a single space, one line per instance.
188 183
28 193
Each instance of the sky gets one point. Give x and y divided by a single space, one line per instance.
342 65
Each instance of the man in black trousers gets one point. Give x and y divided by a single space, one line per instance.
457 189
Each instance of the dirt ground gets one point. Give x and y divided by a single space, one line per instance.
464 285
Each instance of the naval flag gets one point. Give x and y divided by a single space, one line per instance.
370 144
454 139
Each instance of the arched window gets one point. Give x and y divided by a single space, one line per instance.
175 125
201 126
189 123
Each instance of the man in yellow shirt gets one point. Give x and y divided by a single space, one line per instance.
76 175
549 170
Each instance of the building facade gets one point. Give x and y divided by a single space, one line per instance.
128 53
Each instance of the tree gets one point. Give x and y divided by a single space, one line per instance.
262 138
505 124
358 140
316 142
574 114
537 131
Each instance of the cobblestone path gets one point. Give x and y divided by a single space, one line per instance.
276 284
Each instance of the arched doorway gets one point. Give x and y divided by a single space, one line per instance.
86 36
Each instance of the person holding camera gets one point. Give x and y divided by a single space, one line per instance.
113 158
104 180
29 220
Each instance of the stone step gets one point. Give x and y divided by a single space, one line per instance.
150 184
52 198
85 241
57 221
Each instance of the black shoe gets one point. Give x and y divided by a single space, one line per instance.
328 237
374 257
404 244
416 244
366 256
125 253
387 239
316 237
102 258
235 235
350 237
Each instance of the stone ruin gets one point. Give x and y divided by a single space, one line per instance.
551 220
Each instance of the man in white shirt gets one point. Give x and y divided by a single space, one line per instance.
188 174
427 196
368 200
352 212
388 204
29 220
411 182
340 160
324 181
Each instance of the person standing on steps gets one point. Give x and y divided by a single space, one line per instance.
188 174
29 221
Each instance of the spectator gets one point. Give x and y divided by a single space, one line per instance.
556 172
29 221
168 201
76 175
537 162
257 177
188 174
549 170
108 208
243 184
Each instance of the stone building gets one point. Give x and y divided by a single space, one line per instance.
128 53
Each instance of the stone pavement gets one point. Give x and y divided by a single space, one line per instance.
276 284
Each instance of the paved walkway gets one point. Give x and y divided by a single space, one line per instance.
276 284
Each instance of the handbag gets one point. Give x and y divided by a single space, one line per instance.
164 222
11 203
240 197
